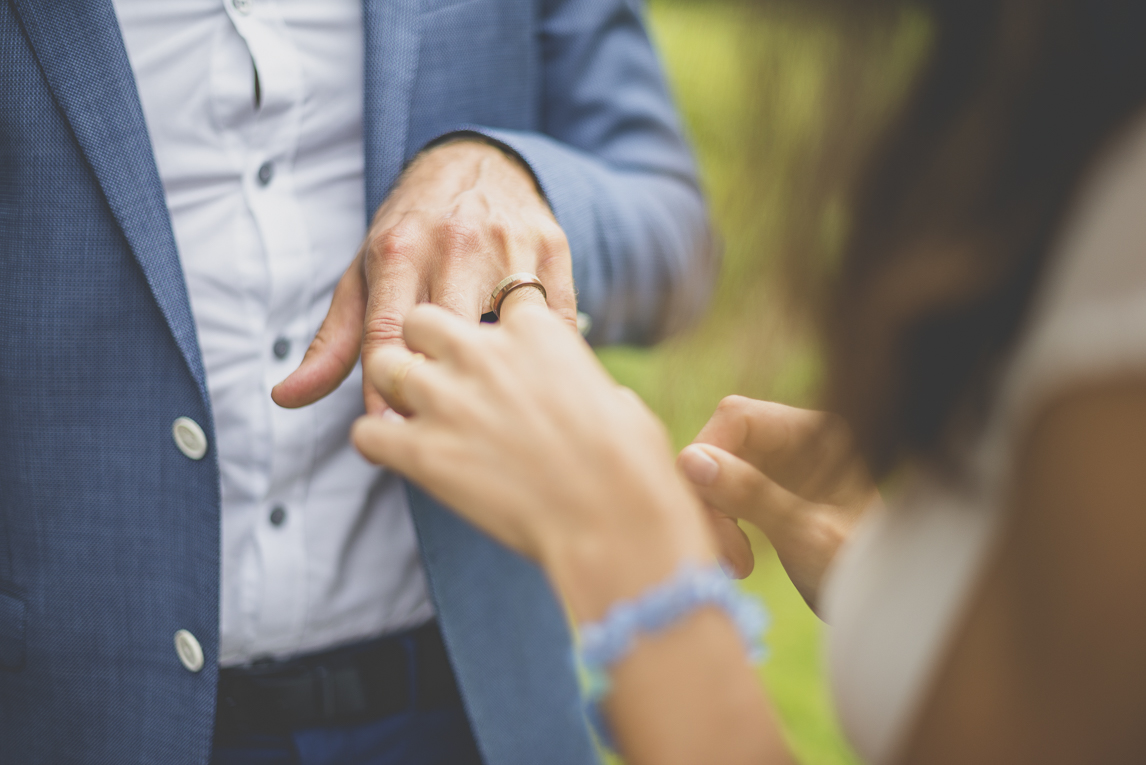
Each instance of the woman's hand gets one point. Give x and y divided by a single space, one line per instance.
519 429
794 473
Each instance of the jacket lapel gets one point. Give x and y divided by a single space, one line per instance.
509 642
81 52
506 633
392 39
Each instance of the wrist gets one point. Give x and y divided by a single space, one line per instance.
463 145
623 557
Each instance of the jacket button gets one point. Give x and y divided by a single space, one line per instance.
189 437
189 650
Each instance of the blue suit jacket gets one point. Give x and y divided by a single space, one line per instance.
109 536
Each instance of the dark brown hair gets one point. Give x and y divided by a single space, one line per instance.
963 198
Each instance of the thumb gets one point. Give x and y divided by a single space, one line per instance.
735 488
334 350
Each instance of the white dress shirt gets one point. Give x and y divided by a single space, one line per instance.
255 113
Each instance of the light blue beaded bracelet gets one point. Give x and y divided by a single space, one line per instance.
604 643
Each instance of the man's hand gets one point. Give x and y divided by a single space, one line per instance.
463 216
794 473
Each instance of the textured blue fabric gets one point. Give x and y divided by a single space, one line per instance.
12 639
509 641
109 536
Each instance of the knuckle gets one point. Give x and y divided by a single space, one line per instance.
552 248
732 405
321 344
551 241
397 244
499 230
739 419
382 328
460 235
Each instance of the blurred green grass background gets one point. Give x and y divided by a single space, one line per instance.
781 100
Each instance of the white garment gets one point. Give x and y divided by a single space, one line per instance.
896 593
267 201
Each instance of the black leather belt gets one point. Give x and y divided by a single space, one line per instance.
358 683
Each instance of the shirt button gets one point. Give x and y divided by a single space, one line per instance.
266 172
281 348
278 515
189 651
243 6
189 437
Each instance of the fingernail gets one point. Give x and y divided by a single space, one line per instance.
727 568
390 414
698 467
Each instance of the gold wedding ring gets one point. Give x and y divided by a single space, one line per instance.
508 285
397 399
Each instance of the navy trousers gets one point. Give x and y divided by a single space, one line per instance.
416 737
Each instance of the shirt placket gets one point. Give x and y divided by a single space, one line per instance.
270 144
